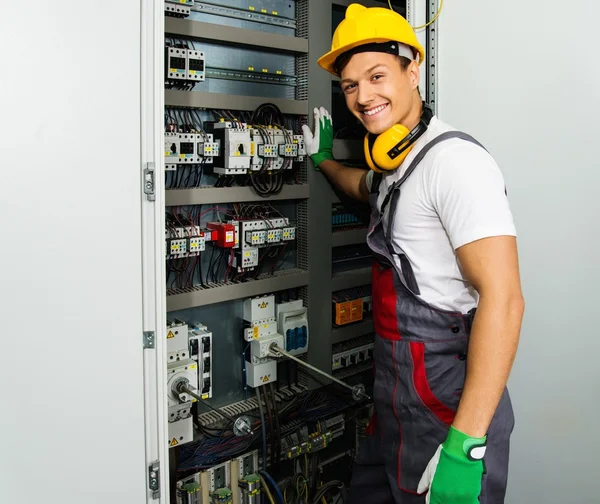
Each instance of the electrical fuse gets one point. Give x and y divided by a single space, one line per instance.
289 233
288 150
197 244
177 247
267 150
256 238
209 149
274 235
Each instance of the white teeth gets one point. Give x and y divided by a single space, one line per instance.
375 110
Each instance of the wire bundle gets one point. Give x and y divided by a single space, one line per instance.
218 445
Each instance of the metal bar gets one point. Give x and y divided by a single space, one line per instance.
240 423
351 331
357 390
211 195
352 237
234 35
264 16
250 76
278 350
350 279
288 279
198 99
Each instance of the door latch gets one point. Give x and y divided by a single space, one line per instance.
154 479
149 181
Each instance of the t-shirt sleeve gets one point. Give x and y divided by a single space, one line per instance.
369 180
468 193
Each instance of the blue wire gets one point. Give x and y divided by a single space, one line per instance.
268 477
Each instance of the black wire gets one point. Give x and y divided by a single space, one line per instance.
271 428
263 428
277 426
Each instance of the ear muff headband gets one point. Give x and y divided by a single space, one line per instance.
387 151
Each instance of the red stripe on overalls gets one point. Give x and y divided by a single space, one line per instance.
385 314
422 387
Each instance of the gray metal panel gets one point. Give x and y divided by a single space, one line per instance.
319 207
233 35
351 278
176 98
431 55
348 149
353 237
352 331
210 195
288 279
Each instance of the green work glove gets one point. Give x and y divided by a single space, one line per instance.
453 475
320 145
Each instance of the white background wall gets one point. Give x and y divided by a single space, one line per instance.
523 77
71 422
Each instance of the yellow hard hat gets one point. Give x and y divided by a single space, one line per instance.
363 26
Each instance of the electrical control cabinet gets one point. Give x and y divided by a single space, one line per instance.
242 229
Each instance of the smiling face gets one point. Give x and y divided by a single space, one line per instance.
379 92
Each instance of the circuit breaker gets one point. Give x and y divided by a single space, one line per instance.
261 331
176 64
234 155
189 362
171 150
195 68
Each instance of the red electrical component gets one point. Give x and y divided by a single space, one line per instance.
222 234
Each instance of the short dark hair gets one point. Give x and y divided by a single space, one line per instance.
343 59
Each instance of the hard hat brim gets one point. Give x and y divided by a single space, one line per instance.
327 61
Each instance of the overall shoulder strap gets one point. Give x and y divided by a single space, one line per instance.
419 157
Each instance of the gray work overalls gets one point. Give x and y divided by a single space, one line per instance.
420 366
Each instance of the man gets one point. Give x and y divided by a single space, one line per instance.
444 243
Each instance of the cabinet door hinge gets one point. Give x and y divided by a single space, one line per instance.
149 181
154 479
149 339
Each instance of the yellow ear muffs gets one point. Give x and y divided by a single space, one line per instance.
387 151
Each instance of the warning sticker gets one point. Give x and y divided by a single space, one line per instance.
174 442
265 379
170 335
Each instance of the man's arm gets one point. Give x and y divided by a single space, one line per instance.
351 181
319 146
491 266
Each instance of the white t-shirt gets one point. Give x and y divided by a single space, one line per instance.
455 196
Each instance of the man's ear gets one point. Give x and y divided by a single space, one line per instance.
414 74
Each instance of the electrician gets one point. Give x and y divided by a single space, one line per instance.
443 238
